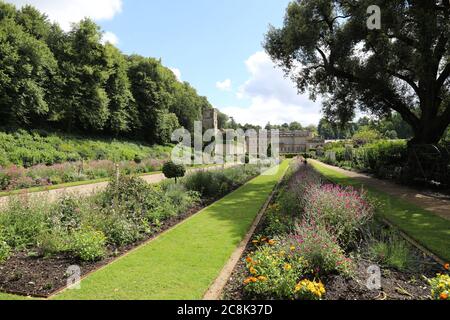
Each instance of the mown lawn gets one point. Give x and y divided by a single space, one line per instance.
184 262
430 230
10 297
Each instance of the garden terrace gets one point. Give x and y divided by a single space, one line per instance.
197 249
41 160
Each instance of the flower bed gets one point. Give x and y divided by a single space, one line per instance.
18 178
322 241
39 240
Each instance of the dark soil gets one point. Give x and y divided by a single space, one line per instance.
396 285
29 274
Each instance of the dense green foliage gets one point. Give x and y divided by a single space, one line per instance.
391 127
27 149
126 212
82 226
213 184
74 82
39 159
383 157
173 171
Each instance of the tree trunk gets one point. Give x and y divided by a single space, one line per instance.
429 132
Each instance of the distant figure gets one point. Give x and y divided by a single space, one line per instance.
305 161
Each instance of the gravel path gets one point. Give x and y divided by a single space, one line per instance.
88 189
440 207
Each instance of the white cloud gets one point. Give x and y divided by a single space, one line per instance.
177 73
273 98
111 38
66 12
224 85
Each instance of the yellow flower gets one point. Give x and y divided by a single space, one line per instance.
250 280
262 278
293 248
315 288
287 267
253 270
272 242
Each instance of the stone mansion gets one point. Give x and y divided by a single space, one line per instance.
291 142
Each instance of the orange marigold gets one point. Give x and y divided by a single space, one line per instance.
262 278
443 296
250 280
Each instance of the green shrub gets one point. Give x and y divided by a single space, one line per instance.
66 213
181 198
391 251
173 171
276 223
214 184
5 249
381 158
23 221
88 244
118 229
53 242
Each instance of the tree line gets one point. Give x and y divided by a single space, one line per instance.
72 81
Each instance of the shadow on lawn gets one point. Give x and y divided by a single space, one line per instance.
429 229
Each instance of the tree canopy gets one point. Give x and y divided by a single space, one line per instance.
72 81
404 66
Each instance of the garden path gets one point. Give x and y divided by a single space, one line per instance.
440 207
88 189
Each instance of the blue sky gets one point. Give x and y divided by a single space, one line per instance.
215 45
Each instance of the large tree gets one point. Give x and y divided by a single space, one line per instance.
26 65
328 48
122 109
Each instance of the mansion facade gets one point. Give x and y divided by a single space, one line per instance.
298 142
290 142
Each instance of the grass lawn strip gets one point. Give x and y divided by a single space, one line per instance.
184 262
428 229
